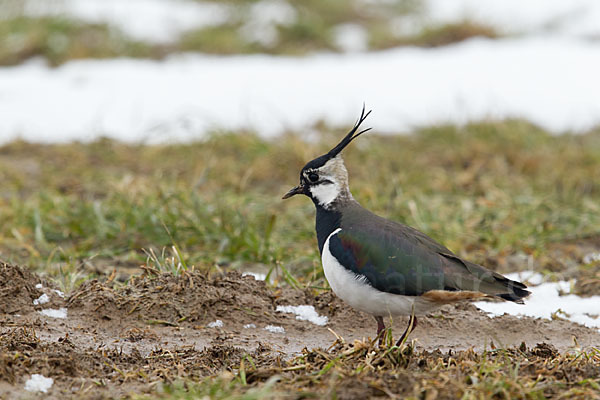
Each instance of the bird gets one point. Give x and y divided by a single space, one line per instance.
382 267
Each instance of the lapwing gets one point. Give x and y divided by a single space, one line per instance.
382 267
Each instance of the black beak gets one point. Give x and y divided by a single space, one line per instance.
294 191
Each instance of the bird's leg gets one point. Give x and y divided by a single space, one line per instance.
412 324
380 329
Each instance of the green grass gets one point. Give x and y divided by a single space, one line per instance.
381 36
60 39
488 191
312 29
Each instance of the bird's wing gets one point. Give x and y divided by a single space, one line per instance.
397 259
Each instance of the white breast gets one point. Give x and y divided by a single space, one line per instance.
356 291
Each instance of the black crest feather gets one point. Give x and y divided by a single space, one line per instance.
351 135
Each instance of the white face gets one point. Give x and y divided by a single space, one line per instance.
332 181
325 193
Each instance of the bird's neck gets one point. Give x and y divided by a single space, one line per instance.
329 218
327 221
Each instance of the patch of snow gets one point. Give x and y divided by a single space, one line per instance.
152 20
591 257
257 275
304 313
553 84
38 286
263 18
43 299
54 312
249 326
274 329
545 301
38 383
59 293
350 38
571 18
216 324
278 12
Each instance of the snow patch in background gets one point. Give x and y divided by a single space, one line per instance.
304 313
38 383
274 329
559 17
151 20
264 17
350 38
545 301
249 326
54 312
554 84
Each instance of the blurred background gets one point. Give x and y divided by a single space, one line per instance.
164 132
159 70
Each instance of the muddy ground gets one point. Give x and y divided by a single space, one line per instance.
123 339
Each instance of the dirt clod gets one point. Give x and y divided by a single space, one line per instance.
17 289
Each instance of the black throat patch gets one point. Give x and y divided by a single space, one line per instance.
327 221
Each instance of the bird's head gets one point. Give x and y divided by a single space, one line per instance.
325 179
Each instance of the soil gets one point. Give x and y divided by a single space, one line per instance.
122 339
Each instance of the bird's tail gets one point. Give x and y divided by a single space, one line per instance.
516 291
468 276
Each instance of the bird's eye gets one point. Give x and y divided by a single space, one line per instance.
313 177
